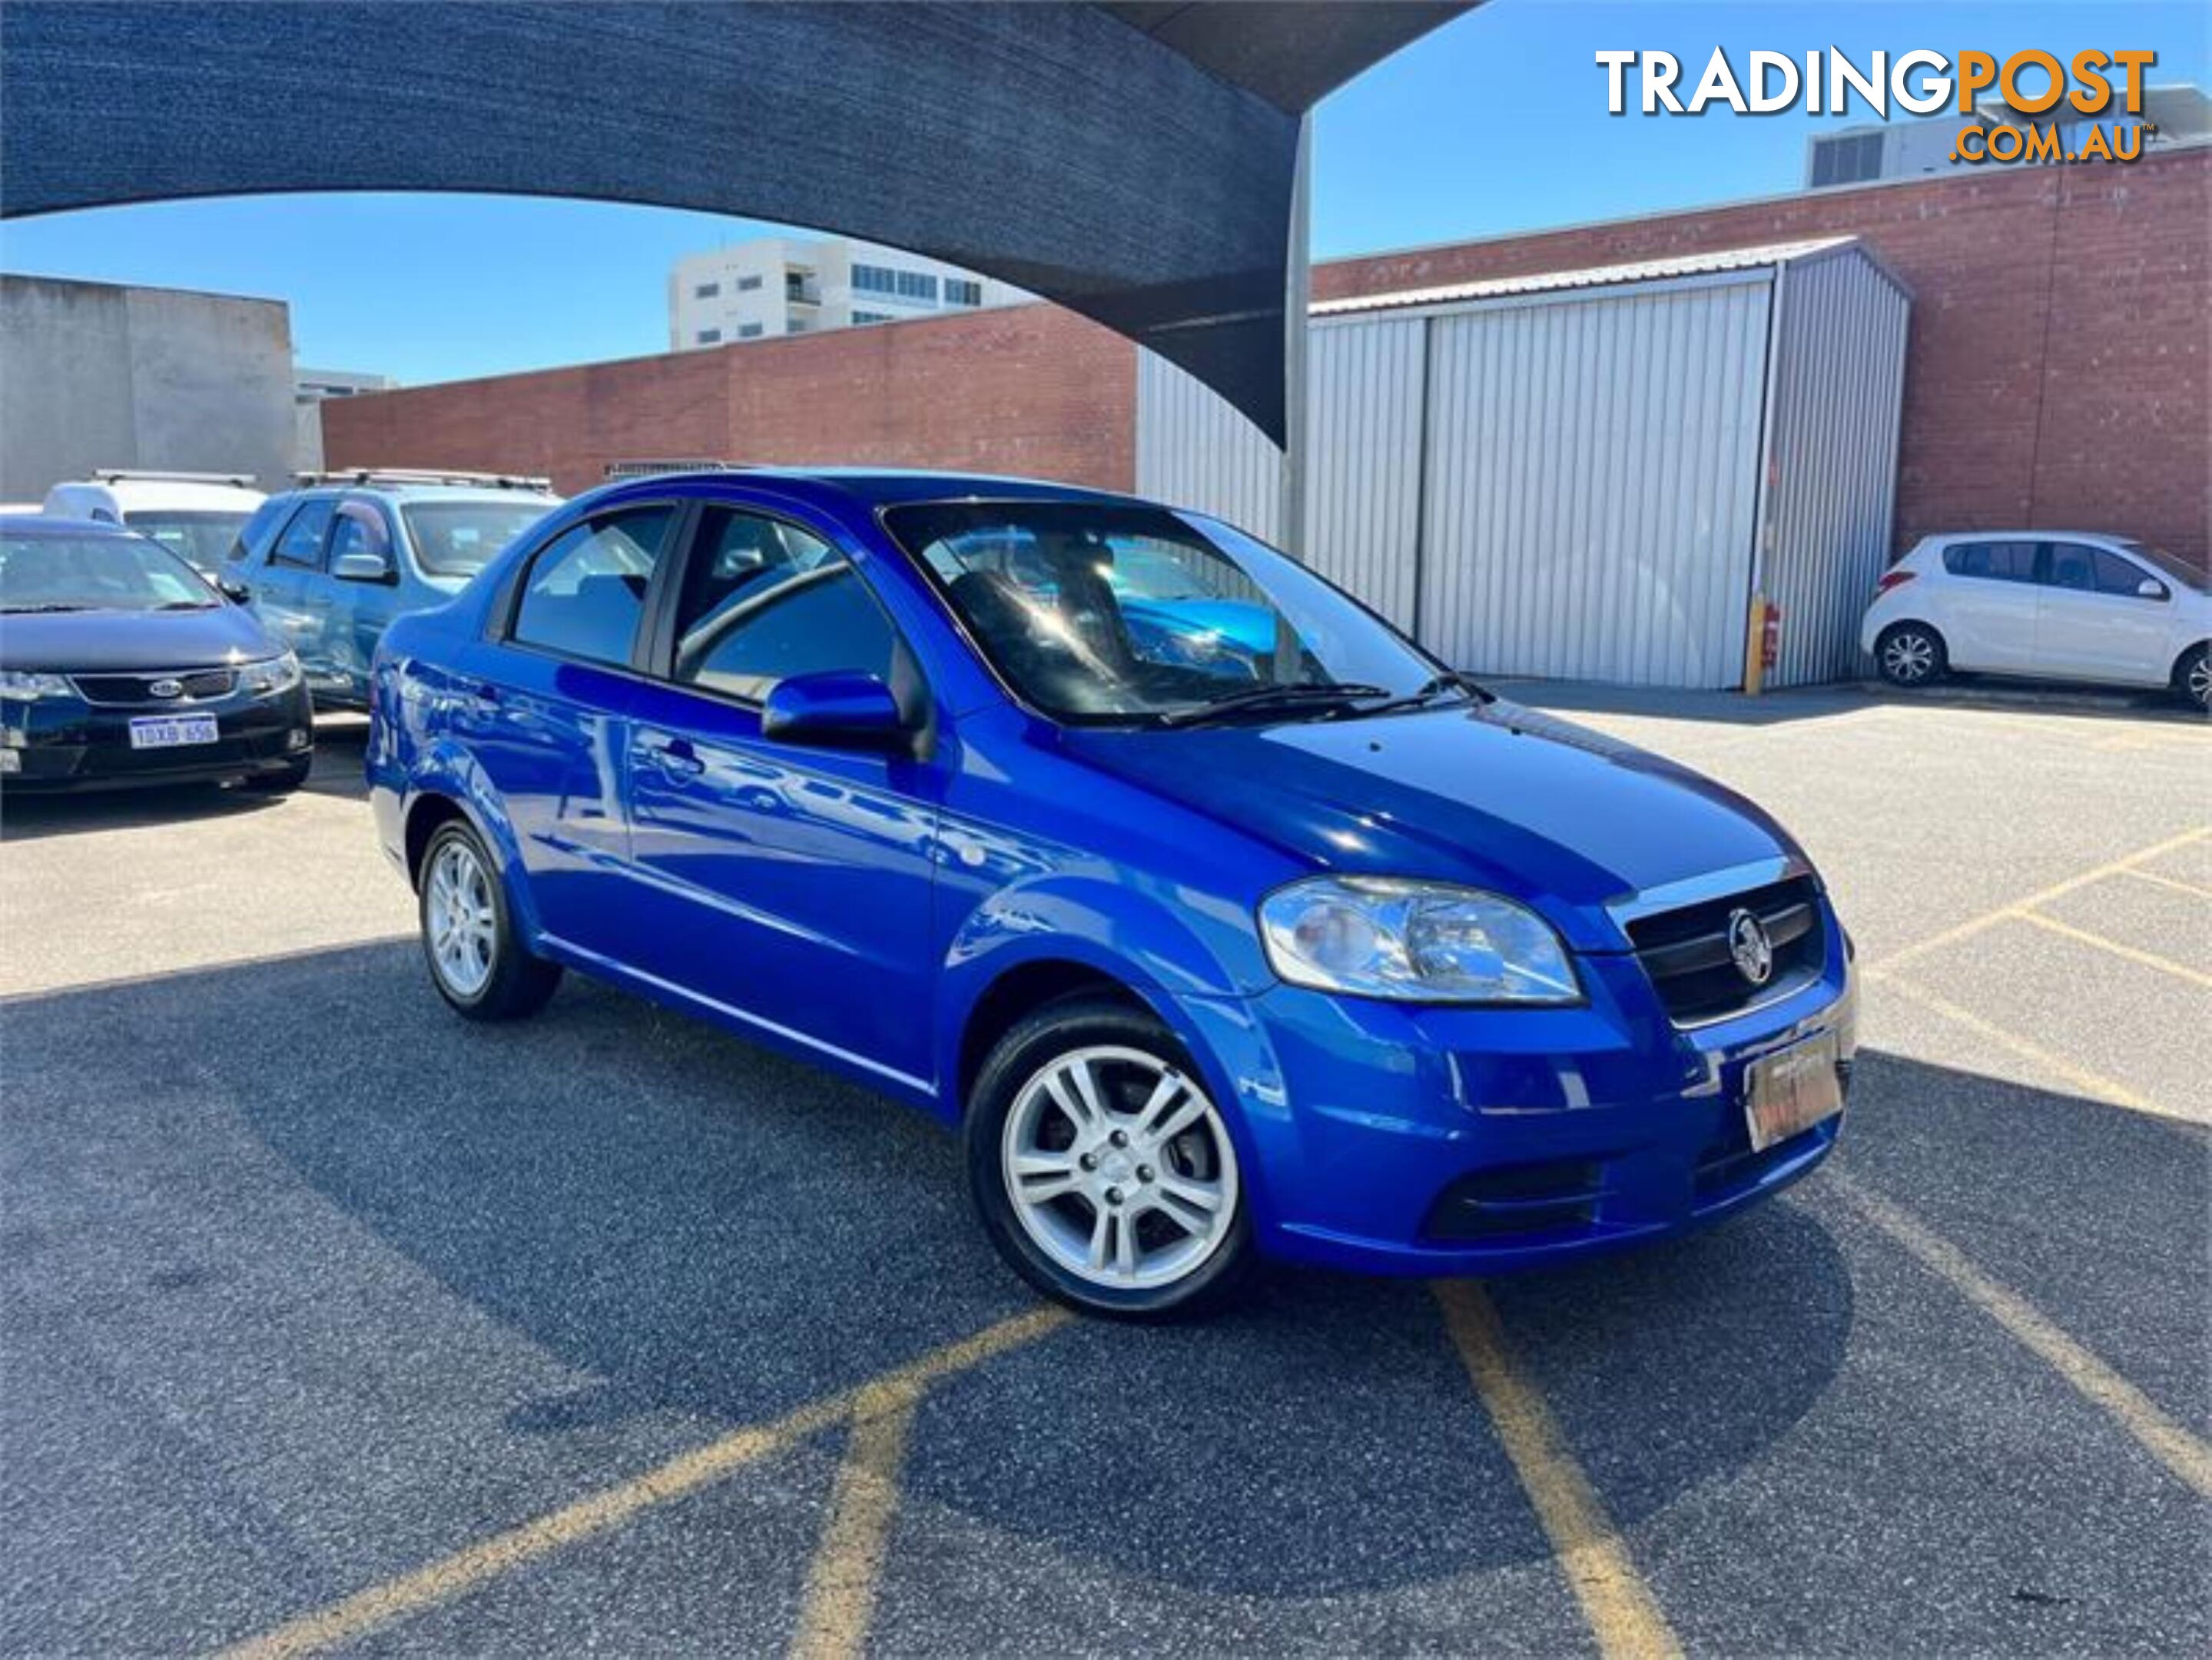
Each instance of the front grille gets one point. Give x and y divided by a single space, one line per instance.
194 685
1686 951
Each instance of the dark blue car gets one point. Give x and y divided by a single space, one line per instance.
1335 958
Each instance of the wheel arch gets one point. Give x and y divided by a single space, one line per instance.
2181 658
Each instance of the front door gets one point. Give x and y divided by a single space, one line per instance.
789 884
2095 623
544 707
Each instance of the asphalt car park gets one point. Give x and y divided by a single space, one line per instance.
333 1322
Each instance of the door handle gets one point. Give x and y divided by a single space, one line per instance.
677 756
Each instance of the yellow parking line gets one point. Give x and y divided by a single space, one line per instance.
2166 1441
2174 881
2147 959
443 1580
1615 1599
2094 1084
840 1585
1974 925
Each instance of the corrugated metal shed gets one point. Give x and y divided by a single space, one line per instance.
1588 474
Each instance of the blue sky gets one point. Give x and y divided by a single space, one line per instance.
1495 123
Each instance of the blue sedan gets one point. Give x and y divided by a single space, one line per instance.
938 781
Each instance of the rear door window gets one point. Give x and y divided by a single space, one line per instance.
1991 561
585 593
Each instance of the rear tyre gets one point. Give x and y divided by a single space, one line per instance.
1101 1169
476 959
1910 654
2193 678
284 783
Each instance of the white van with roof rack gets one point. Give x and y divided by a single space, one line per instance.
196 516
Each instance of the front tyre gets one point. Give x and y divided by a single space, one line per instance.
1101 1170
478 960
1910 654
2193 678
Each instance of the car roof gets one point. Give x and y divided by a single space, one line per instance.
2045 535
54 524
181 494
872 487
426 492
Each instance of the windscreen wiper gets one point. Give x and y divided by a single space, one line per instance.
28 611
1438 686
1302 694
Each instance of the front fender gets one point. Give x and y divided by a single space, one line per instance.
1108 928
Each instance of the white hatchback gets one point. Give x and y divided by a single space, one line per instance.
2048 604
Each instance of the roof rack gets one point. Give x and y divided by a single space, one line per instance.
163 474
654 468
506 481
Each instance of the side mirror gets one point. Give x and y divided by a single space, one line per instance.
361 568
2150 588
836 710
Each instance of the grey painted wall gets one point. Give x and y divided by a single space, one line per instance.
96 376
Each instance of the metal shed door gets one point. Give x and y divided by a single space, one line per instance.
1592 483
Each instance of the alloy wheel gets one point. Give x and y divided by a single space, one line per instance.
2199 685
1909 658
1119 1168
462 922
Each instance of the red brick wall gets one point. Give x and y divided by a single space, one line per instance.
2057 374
1030 389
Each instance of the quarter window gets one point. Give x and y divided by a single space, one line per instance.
586 590
301 543
763 601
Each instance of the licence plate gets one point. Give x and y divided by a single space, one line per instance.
1792 1090
169 731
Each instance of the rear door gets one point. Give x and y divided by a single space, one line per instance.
285 589
543 711
1989 605
2095 623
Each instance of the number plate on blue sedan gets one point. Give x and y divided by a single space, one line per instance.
169 731
1792 1090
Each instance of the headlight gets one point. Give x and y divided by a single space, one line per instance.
26 687
1417 942
270 676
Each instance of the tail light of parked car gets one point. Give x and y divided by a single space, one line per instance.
1892 579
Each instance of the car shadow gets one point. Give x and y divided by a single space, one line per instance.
694 1224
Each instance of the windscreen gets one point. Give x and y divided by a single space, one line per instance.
96 573
458 538
1122 612
203 539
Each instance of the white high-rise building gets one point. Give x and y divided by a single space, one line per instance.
778 285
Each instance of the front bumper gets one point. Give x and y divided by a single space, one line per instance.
1391 1139
63 744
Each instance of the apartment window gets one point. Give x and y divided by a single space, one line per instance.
874 279
872 317
705 290
747 284
749 330
709 336
917 285
961 291
1847 161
